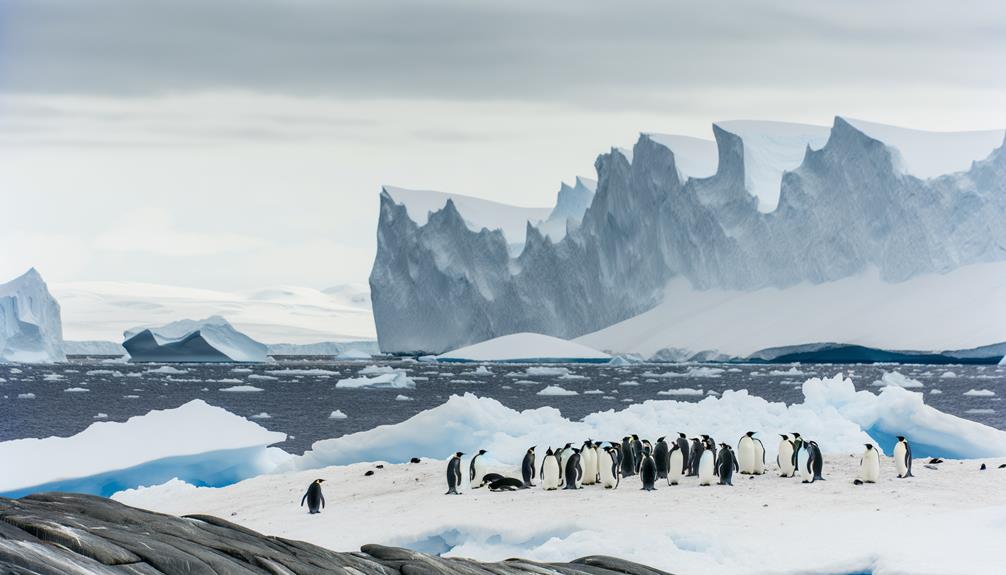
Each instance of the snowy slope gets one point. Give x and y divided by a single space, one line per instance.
528 347
205 444
30 326
285 314
968 305
183 340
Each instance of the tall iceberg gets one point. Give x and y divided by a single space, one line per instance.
31 330
210 340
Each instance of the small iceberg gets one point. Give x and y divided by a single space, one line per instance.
556 390
527 347
397 380
210 340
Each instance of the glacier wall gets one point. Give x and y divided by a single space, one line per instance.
847 207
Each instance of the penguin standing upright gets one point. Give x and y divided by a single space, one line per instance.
869 465
816 462
564 454
746 453
759 449
454 474
903 458
726 464
527 467
661 455
628 457
707 465
696 456
589 462
477 470
676 466
550 478
637 451
608 467
617 454
803 464
574 472
797 444
314 497
785 457
682 442
648 470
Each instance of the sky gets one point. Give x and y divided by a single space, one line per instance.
235 145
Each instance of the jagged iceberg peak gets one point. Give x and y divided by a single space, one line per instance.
208 340
844 206
31 330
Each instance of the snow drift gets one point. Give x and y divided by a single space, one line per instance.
209 340
196 442
30 326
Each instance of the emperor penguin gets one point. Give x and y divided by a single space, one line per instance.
574 471
696 456
617 453
550 478
785 458
661 455
527 467
648 470
869 465
803 464
454 474
676 466
682 442
726 464
564 454
314 497
816 462
759 449
746 453
588 460
608 467
903 457
637 452
628 457
476 470
707 465
797 444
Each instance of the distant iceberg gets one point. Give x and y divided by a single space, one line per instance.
31 330
526 347
211 340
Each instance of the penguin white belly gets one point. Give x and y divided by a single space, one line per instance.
786 459
604 464
900 460
480 473
674 473
563 460
589 462
802 460
706 464
550 473
745 455
759 458
871 466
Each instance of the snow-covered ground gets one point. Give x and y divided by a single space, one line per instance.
525 347
945 520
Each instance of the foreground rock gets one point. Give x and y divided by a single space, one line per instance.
62 533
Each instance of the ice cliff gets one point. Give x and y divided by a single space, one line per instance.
849 206
30 327
212 339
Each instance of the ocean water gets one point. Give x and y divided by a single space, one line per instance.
299 403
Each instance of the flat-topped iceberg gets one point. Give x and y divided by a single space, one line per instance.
207 341
526 347
30 327
198 443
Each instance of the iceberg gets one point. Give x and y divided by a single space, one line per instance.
93 348
195 442
210 340
31 330
395 380
526 347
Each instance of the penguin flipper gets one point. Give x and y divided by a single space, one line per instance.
322 500
303 499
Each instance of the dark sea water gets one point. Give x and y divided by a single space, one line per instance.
300 404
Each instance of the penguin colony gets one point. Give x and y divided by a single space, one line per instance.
594 463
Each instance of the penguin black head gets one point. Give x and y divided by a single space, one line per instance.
901 438
459 454
724 446
531 449
869 446
568 445
795 435
575 450
635 437
682 435
646 450
704 436
598 443
549 452
482 452
750 433
661 438
784 436
319 481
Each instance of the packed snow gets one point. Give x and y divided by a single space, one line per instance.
525 347
31 330
196 442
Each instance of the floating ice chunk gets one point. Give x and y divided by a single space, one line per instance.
241 370
261 377
262 415
338 414
229 380
556 390
682 391
948 375
241 389
573 376
896 379
352 355
52 377
630 383
543 371
980 393
400 397
379 370
699 371
791 371
26 396
292 372
935 392
101 416
167 369
76 390
385 381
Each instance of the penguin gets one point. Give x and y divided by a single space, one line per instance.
608 467
816 462
527 467
550 478
726 464
682 442
589 462
869 465
746 453
797 444
903 458
803 464
785 457
661 455
628 462
597 460
759 449
676 466
648 470
506 484
707 465
490 477
564 454
574 472
314 497
696 455
476 470
637 452
454 474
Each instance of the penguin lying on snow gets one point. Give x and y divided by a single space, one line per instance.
315 499
506 484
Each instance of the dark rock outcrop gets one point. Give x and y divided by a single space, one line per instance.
64 533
